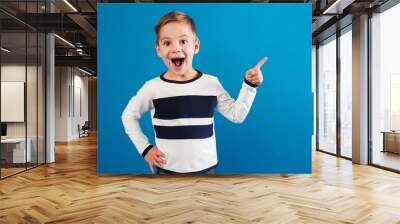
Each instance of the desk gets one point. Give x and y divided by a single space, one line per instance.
16 147
391 141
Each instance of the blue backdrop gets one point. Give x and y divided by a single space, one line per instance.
276 136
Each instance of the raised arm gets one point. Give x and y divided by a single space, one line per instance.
236 111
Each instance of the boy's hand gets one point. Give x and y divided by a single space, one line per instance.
254 75
155 156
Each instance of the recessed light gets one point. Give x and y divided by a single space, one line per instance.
70 5
84 71
5 50
64 40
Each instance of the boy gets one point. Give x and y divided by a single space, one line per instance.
182 102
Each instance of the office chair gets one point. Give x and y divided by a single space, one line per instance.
84 130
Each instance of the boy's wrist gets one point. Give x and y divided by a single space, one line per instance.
146 150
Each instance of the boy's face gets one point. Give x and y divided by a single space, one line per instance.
176 46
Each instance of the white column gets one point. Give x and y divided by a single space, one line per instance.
360 90
50 103
50 110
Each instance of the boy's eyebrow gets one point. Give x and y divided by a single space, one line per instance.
184 35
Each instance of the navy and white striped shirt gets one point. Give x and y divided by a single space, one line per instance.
182 114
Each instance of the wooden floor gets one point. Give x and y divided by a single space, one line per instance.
387 159
70 191
5 172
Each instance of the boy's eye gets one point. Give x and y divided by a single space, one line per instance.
166 43
184 41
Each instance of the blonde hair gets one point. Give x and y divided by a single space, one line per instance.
174 16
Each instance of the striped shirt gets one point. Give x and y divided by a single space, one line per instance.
182 114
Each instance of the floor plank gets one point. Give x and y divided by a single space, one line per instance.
70 191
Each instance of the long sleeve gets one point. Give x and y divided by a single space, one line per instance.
138 104
236 111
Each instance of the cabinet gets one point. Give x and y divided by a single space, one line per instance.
391 141
13 150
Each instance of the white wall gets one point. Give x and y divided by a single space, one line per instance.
79 110
71 102
12 73
61 103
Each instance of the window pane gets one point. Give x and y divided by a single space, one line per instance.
346 93
385 88
14 153
31 101
327 96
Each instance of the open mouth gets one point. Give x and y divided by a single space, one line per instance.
178 61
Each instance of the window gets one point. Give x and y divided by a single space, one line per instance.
385 88
346 92
327 95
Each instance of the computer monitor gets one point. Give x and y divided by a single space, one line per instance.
3 129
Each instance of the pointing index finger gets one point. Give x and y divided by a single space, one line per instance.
261 63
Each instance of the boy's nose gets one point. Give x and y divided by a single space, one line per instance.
176 47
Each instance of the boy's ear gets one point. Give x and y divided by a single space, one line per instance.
197 46
158 50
